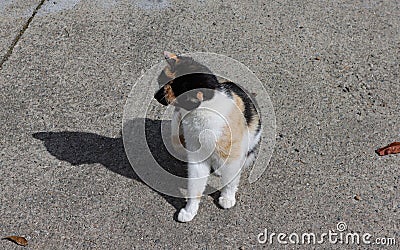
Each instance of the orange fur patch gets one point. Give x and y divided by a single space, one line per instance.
169 55
229 144
169 93
175 57
238 101
254 124
171 75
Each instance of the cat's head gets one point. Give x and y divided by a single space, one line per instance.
185 83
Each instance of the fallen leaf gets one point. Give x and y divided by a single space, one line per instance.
357 197
393 148
17 239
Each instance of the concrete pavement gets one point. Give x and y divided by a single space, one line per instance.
330 67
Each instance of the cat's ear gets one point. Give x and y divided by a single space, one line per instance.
169 55
171 58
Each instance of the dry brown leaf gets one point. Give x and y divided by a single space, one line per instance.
17 239
393 148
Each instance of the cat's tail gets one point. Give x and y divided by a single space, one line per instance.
252 153
250 158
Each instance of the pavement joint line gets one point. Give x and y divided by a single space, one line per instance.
21 32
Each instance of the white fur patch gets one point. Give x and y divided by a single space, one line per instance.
203 127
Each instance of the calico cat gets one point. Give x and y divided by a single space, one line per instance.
204 103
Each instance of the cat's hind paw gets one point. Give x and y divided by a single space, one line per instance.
226 202
185 216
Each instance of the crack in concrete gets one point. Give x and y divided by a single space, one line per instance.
21 32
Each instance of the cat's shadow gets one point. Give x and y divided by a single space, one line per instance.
79 148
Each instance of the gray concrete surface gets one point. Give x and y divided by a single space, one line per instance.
13 16
331 69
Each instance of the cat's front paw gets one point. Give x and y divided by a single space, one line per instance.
185 216
226 202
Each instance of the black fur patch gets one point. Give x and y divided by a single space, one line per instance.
160 96
185 89
191 75
250 110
